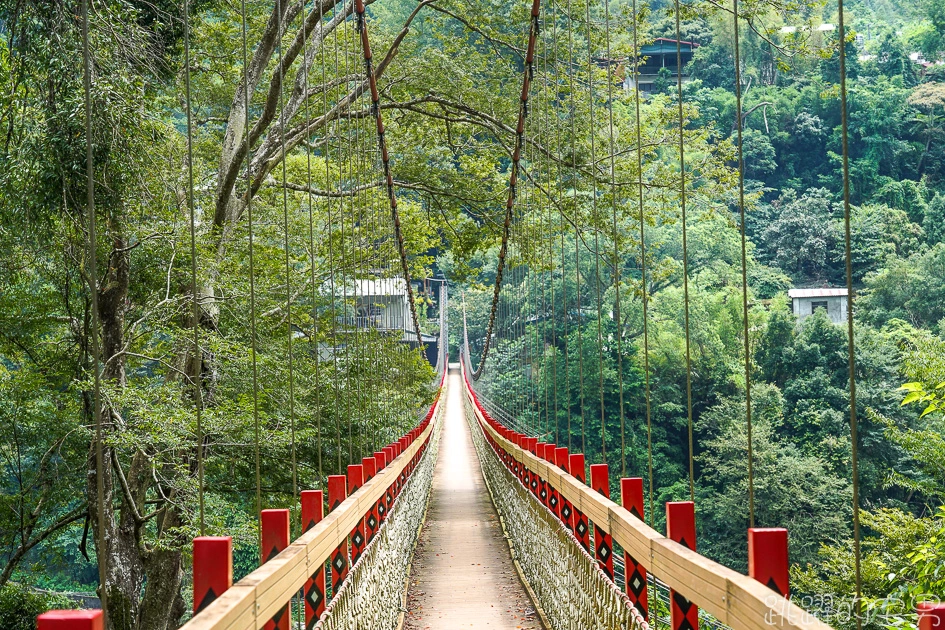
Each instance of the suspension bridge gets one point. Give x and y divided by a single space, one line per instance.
472 517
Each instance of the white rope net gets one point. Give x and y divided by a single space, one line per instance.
572 591
371 595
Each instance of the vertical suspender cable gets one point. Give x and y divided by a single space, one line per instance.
685 252
198 355
252 269
617 262
643 281
100 551
741 209
577 234
331 266
311 245
851 350
288 267
596 227
513 179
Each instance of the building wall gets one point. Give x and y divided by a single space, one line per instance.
836 307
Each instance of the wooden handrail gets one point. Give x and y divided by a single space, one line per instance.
734 599
253 601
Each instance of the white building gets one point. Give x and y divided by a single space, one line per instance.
805 301
381 304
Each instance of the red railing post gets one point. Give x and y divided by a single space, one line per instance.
389 451
213 569
631 496
71 620
603 542
554 498
381 458
768 558
358 537
274 530
542 485
681 527
370 469
581 528
566 512
337 493
313 510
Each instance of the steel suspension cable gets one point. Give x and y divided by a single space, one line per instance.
851 349
311 245
288 267
577 233
101 551
345 177
596 227
198 354
685 252
331 262
385 158
739 123
618 265
643 280
513 179
252 267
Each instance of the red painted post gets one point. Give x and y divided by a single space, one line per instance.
389 495
542 485
931 615
71 620
337 493
531 446
358 537
381 458
370 469
581 528
554 497
274 526
681 527
213 569
768 558
567 510
313 509
631 497
603 542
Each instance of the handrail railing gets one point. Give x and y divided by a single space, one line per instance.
734 599
254 600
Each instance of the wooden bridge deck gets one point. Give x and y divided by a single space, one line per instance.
462 574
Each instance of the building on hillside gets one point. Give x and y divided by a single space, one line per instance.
805 301
655 56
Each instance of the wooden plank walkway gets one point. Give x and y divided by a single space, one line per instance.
462 574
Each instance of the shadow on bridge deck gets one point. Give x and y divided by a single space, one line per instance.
462 574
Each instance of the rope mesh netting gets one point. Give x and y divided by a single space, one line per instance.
371 596
572 591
